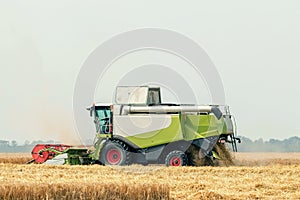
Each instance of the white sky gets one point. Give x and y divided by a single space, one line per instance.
255 46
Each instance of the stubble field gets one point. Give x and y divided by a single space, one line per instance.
254 176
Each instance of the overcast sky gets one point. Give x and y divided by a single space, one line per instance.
254 45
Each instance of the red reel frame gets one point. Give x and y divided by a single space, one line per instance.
40 153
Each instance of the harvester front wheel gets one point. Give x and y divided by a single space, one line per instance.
176 158
114 153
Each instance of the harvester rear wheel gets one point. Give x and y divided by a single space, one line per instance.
114 153
176 158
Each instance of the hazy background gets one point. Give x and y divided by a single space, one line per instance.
255 46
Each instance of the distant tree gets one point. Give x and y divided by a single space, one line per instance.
4 143
14 143
26 143
291 144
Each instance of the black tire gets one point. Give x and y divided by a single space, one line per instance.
114 153
176 158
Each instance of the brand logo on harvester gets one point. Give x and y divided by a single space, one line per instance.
99 62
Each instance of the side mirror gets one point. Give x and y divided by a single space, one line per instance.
91 109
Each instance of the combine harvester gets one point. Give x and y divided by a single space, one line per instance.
139 128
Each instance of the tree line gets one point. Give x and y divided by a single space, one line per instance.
13 147
291 144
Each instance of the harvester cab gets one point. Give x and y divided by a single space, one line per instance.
102 114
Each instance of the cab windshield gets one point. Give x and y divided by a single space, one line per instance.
103 116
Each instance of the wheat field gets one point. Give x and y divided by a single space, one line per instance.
16 158
255 176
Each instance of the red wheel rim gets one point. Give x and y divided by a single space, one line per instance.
175 161
113 156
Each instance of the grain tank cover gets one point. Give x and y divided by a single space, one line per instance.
137 95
